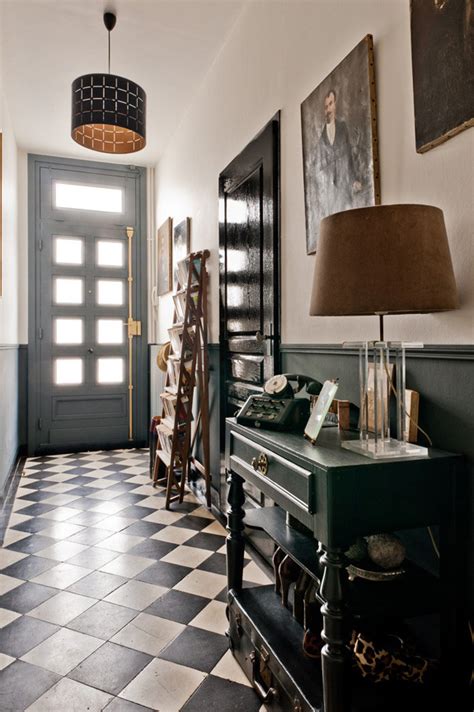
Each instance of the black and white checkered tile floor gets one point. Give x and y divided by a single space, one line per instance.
110 602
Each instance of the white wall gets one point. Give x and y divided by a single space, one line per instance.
276 55
22 246
9 298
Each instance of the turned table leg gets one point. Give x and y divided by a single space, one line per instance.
333 654
235 527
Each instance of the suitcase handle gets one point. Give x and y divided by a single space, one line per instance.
265 695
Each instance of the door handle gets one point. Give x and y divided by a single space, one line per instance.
267 339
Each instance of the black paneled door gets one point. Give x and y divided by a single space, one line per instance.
249 269
87 382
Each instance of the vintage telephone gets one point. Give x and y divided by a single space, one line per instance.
277 408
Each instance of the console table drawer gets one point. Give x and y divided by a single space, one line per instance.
272 472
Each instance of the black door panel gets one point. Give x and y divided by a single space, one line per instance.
249 276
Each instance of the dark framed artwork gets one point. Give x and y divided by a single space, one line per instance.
165 272
181 242
442 50
339 131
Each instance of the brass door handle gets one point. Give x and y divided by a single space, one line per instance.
260 463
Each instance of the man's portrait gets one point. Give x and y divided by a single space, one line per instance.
340 159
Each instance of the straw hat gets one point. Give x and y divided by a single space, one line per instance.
162 357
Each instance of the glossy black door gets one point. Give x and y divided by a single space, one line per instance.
249 269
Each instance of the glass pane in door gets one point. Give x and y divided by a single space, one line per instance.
110 253
110 370
68 290
88 197
68 331
110 331
110 292
68 371
68 251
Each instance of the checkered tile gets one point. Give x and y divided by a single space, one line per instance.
110 602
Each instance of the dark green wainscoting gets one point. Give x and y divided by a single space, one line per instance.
9 412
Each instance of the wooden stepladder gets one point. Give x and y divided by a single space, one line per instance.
187 371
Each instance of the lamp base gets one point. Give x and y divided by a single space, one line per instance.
385 449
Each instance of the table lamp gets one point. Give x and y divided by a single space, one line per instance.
387 259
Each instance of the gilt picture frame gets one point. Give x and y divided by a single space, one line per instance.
164 245
442 50
340 147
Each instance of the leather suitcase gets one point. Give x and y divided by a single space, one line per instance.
271 677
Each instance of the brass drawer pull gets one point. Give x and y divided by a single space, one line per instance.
260 463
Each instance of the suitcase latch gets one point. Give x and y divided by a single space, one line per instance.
261 675
238 624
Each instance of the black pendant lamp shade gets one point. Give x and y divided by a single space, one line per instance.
108 112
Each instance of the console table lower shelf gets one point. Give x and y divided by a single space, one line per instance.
332 497
267 642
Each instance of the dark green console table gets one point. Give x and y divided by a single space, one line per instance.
338 495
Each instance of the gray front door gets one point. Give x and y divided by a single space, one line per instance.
87 383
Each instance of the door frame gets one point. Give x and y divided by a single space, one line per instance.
35 164
273 127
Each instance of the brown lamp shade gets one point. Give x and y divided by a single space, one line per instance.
387 258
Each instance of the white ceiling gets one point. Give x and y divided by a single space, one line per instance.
165 46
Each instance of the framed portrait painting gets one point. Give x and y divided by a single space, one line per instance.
164 276
339 131
181 243
442 50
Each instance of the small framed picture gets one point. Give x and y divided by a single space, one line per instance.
181 244
320 410
164 276
181 273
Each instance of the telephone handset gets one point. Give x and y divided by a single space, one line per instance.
277 408
280 387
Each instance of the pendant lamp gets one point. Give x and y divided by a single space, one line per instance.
108 112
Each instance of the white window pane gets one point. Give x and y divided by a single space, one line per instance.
109 292
68 251
110 331
68 371
68 290
68 331
110 253
110 370
88 197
